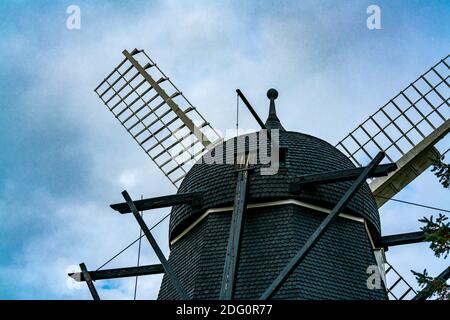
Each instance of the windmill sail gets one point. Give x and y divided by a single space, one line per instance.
156 114
406 128
399 288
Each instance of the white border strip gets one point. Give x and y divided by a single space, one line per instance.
265 204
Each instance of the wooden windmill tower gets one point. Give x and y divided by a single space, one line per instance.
308 230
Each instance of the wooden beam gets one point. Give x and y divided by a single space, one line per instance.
403 238
89 282
167 268
193 198
168 100
120 272
274 144
236 226
310 243
250 108
338 176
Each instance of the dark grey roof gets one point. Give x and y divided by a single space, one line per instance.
305 154
334 269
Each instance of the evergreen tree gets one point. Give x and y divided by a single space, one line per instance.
437 232
441 171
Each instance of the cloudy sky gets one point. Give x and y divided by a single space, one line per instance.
64 158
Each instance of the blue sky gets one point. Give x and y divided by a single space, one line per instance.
64 158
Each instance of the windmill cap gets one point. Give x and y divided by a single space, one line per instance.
272 93
302 155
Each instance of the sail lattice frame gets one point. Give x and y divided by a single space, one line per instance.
156 114
398 288
408 118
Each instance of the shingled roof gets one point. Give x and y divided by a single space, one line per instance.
334 269
304 154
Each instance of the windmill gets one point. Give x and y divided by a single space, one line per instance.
304 231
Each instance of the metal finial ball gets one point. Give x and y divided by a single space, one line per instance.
272 93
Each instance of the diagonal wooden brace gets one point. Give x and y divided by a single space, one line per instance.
301 254
232 255
167 268
89 282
